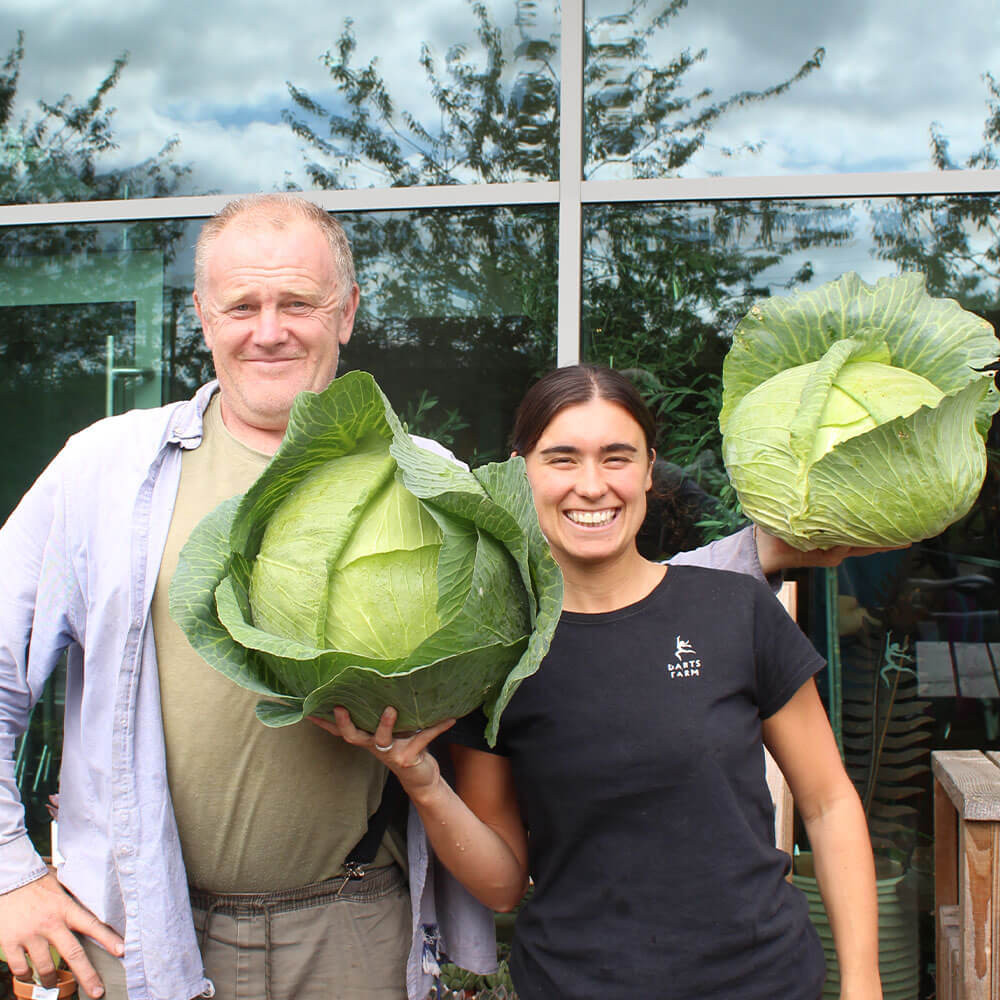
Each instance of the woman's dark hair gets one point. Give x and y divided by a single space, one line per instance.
570 386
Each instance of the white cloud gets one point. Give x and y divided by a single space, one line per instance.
214 74
891 67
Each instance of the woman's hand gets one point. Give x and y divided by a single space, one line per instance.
405 756
488 853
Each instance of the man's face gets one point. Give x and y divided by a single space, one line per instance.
274 319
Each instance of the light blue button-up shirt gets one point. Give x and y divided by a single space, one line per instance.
79 559
78 564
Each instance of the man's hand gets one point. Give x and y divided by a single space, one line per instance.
42 913
776 555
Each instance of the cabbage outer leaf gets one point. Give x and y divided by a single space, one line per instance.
935 338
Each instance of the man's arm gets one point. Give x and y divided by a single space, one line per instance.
776 555
736 552
754 551
37 588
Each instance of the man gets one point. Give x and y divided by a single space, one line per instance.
168 779
215 845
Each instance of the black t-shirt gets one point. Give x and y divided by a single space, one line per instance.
637 757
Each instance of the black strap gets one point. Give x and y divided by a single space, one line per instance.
391 808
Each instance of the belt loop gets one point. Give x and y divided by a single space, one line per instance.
208 919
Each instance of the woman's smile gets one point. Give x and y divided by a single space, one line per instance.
593 518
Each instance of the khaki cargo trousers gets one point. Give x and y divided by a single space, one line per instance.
334 940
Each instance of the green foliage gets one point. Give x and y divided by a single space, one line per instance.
417 419
457 983
688 427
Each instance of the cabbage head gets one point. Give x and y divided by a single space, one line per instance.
363 570
855 414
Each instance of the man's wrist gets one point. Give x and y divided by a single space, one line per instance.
20 864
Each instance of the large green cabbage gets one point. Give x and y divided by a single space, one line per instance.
363 570
855 414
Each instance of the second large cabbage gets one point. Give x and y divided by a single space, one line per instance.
857 414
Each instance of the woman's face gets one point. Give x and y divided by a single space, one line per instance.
589 473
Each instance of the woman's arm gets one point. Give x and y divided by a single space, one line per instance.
482 843
800 738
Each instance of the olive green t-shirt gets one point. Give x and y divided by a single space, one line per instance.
258 809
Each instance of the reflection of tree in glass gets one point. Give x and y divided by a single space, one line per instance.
57 156
499 106
667 283
461 302
638 111
955 241
53 357
661 281
475 366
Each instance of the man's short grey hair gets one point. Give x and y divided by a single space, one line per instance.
277 210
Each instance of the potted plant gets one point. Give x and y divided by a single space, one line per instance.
31 988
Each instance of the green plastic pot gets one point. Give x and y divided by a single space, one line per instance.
898 944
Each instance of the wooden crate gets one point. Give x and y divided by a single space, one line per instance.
967 873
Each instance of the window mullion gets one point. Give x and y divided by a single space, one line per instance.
570 180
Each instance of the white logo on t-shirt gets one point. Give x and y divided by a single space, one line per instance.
683 648
688 664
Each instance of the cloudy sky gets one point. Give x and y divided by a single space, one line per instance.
214 74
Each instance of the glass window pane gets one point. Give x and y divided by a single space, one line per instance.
912 636
457 318
226 97
764 89
81 334
458 306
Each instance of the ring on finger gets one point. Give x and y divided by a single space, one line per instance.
386 748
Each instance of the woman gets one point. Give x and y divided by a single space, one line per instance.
633 754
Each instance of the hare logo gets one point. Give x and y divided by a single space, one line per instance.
688 664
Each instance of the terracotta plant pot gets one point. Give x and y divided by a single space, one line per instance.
28 988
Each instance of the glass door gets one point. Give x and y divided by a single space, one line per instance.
80 338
